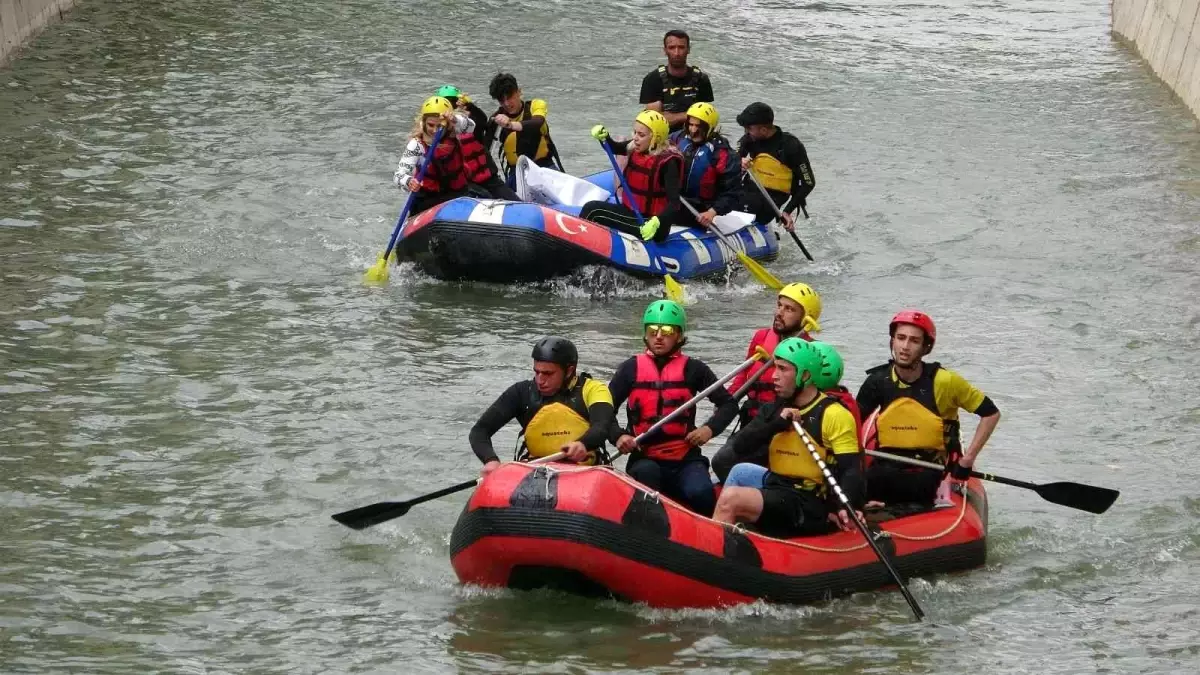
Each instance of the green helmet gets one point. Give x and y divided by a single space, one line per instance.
448 91
832 367
801 354
667 313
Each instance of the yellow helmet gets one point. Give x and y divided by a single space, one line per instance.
707 113
806 297
436 105
657 124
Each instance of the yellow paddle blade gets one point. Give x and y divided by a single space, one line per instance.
392 258
377 273
674 289
760 272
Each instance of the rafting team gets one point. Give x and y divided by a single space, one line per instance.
769 479
677 150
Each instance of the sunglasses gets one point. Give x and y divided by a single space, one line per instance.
659 329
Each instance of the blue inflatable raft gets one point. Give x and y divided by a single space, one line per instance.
501 241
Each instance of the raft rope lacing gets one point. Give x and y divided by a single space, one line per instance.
741 529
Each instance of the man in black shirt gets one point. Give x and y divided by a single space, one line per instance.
673 87
778 160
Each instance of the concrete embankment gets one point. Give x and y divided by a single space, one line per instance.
1166 33
20 20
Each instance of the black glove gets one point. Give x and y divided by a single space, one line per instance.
957 471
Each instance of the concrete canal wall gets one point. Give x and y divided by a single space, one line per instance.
1166 33
20 20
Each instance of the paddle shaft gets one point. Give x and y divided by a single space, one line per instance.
612 159
754 377
412 194
779 214
475 481
862 527
979 475
711 228
380 512
698 397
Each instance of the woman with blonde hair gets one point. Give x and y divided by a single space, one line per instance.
654 176
445 175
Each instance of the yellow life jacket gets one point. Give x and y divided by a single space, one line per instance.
905 424
773 174
908 416
789 456
557 421
516 143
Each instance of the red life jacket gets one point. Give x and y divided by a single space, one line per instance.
475 160
843 396
762 391
655 395
445 172
643 173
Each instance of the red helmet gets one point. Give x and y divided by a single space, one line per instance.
919 319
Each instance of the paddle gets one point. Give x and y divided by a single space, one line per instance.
373 514
759 353
378 273
779 214
862 527
674 291
1074 495
758 271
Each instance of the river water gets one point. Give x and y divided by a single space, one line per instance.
194 377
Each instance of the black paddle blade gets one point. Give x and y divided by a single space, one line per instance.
372 514
1078 496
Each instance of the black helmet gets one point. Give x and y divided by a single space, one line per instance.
556 350
756 113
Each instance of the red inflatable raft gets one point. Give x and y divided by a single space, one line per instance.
595 531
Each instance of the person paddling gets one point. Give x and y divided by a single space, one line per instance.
655 383
918 406
778 160
559 410
445 174
654 174
521 127
792 498
711 170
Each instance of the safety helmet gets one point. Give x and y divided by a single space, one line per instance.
920 320
707 113
657 124
665 313
801 354
832 366
756 113
556 350
809 300
436 105
448 91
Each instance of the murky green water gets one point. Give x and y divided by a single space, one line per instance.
194 378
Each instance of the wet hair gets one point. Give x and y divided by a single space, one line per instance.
676 33
502 86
